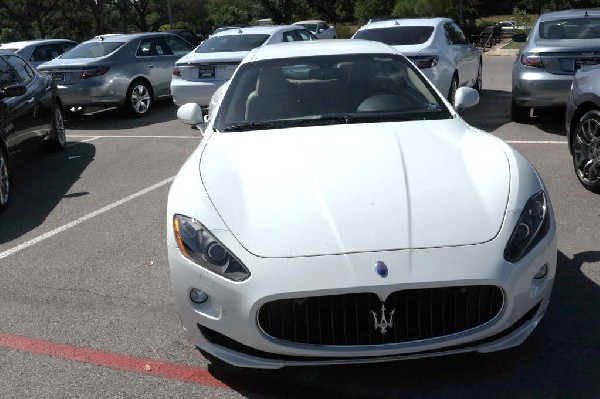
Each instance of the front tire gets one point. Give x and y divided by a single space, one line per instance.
586 151
139 99
58 137
520 114
4 180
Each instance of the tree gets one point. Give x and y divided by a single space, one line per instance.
367 9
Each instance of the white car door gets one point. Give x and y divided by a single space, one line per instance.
465 55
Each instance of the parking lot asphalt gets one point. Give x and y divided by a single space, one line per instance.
86 304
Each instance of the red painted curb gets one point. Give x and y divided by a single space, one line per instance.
111 360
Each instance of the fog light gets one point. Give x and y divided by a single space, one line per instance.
198 296
542 272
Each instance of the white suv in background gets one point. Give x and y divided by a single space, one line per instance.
437 46
197 75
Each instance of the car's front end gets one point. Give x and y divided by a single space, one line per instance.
335 290
303 238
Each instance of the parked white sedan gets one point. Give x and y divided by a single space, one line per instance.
197 75
369 225
436 45
320 29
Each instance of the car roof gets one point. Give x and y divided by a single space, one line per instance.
405 22
25 43
574 13
265 30
310 21
318 47
120 37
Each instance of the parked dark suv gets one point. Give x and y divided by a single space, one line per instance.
30 113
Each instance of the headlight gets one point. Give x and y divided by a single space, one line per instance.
198 245
531 227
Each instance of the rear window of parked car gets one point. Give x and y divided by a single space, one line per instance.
397 35
580 28
92 50
231 43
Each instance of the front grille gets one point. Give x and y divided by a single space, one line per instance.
359 319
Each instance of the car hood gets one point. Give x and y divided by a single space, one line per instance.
192 58
354 188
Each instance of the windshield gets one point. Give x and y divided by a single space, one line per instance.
93 49
231 43
397 35
321 90
581 28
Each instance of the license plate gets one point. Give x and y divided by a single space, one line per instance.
58 77
206 73
583 62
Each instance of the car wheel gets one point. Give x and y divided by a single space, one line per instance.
453 88
74 112
586 151
479 81
520 113
58 137
4 180
139 99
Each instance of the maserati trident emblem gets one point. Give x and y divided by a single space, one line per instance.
383 323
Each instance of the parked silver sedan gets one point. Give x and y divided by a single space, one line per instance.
128 71
582 124
39 51
558 45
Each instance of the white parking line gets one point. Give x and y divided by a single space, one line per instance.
535 142
82 219
82 141
77 136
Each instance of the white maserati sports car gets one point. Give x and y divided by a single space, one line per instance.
367 223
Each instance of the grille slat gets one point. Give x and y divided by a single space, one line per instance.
348 319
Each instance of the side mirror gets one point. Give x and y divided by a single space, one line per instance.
519 38
13 91
465 97
190 113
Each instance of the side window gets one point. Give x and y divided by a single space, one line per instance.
64 47
153 47
7 75
459 36
178 46
304 34
22 68
289 37
449 33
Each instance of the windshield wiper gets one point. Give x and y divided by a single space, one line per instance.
249 126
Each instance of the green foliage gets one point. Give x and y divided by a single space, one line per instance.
367 9
521 17
345 31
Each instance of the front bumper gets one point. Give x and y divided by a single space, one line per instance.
534 87
231 310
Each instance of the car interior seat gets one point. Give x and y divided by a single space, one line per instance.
271 99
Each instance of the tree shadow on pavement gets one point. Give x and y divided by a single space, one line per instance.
39 183
560 359
116 119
